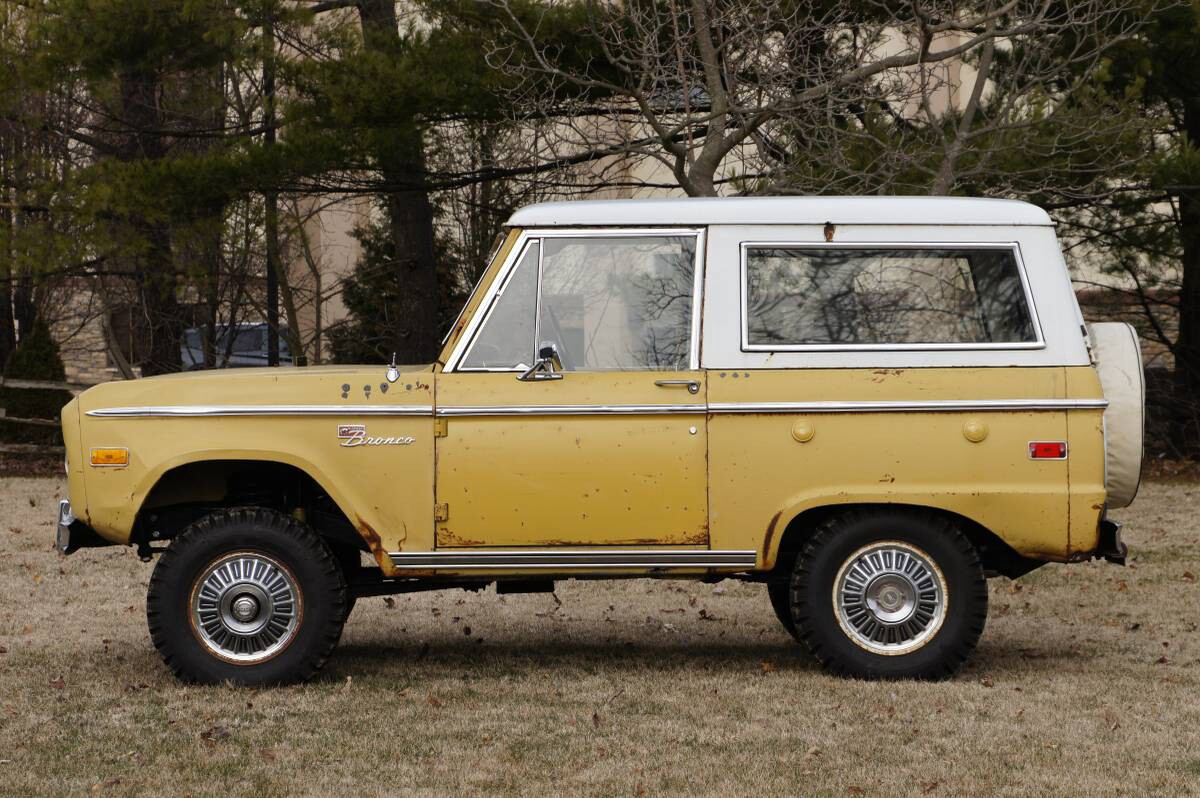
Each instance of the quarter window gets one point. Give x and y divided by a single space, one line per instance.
798 296
506 339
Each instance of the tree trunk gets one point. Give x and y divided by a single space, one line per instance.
152 265
277 276
1187 345
8 332
1186 432
156 275
401 160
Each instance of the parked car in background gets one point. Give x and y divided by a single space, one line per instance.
868 405
248 347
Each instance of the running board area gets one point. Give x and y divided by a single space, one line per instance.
576 559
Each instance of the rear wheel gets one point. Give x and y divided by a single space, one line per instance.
249 596
889 594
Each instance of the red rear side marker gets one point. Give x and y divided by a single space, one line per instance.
1047 450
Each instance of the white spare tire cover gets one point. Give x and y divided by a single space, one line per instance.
1118 357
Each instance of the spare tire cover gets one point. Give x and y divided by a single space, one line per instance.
1118 357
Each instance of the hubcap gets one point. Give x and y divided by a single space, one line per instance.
245 608
890 597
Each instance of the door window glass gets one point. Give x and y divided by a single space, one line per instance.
798 296
618 303
506 339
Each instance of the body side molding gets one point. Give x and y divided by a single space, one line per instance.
715 408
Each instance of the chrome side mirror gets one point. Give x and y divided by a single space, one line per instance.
546 367
393 373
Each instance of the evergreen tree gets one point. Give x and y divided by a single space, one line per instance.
35 358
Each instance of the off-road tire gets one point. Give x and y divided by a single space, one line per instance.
836 542
317 577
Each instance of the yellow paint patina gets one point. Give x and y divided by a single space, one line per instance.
386 491
1085 461
543 478
761 477
603 473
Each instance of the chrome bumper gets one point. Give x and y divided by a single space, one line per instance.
73 534
65 519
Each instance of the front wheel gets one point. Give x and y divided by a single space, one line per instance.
889 594
249 596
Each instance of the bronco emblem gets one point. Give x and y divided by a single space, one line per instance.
356 435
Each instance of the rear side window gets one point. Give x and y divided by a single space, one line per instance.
800 297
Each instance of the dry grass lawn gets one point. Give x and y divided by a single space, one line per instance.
1086 682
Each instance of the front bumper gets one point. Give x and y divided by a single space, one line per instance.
73 534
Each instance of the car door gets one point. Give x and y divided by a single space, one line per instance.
604 442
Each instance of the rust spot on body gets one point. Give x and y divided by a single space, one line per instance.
699 536
771 531
447 538
375 544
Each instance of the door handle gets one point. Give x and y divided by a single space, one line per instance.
693 386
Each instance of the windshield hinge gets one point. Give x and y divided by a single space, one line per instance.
439 427
441 512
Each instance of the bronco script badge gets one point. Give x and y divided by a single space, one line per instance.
356 435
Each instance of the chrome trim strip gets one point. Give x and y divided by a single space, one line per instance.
576 559
932 405
1013 246
190 411
570 410
699 266
941 405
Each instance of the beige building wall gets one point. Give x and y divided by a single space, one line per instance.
321 252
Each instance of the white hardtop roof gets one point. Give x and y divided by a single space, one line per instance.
699 211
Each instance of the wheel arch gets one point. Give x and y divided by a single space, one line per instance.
996 555
189 487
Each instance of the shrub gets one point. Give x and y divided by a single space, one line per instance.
35 358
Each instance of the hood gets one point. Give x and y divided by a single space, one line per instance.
310 385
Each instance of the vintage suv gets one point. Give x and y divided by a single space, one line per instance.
868 404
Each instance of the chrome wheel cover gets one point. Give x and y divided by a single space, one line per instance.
890 597
245 607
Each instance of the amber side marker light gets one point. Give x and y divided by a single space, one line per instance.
1047 450
110 457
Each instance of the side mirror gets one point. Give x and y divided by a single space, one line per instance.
546 367
548 353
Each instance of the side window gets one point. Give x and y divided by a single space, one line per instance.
506 339
798 296
618 303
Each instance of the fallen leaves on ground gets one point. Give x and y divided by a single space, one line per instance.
214 734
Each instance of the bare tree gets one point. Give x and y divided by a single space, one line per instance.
773 96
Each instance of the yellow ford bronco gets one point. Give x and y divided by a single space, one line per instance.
870 405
